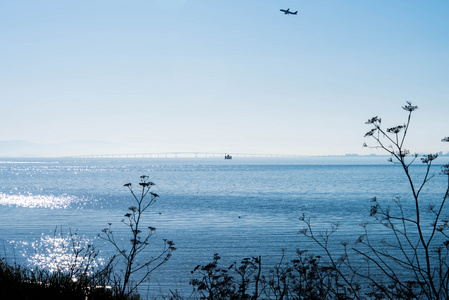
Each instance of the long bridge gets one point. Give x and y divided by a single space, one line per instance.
184 155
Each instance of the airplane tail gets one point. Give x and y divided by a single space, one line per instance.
295 13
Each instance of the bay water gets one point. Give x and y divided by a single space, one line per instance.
236 208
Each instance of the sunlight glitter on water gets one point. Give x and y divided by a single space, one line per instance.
59 253
37 201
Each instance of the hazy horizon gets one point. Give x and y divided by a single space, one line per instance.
99 149
233 77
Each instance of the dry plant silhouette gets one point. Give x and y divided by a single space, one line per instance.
412 262
138 262
64 267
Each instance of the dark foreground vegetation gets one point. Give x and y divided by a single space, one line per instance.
410 263
17 282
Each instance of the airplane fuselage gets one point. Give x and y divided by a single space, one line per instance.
288 12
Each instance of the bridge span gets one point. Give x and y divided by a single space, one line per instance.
184 155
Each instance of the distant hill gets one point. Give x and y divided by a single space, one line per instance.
19 148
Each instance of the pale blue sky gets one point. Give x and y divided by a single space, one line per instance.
223 75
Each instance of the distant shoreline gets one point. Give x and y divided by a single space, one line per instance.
236 160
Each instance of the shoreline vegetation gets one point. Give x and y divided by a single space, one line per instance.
412 262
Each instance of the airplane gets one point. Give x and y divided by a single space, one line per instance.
288 12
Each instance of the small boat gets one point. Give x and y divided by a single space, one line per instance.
227 156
